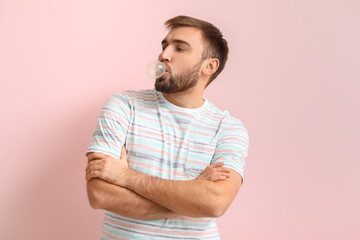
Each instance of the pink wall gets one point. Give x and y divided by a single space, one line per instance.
292 78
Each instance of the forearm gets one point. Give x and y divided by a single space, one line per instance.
196 198
103 195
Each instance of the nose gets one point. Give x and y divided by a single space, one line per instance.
165 55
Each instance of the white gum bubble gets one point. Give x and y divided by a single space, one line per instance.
155 69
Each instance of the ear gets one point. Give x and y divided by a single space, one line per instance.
210 66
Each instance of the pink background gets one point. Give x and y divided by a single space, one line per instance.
293 79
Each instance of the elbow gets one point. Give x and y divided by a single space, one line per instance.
95 196
94 202
218 208
217 211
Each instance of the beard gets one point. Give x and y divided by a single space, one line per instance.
179 82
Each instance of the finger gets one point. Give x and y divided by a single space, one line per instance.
225 174
222 173
92 163
222 178
221 169
89 177
96 162
219 178
90 155
217 164
95 155
93 168
225 169
92 174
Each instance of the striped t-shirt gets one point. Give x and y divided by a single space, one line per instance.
170 142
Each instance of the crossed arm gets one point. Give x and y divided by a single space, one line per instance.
113 186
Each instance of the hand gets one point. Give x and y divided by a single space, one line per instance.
215 172
106 167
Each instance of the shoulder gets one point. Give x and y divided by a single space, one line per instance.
230 122
132 96
229 125
227 120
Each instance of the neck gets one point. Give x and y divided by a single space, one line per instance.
187 99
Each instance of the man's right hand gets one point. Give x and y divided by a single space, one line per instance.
106 167
215 172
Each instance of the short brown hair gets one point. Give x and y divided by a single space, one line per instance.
217 46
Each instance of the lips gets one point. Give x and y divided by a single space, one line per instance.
165 73
162 76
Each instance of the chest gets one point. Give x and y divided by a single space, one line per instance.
171 146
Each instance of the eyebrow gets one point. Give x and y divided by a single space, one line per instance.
175 41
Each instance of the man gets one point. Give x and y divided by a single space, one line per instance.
181 158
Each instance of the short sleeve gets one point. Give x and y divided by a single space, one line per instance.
112 126
232 145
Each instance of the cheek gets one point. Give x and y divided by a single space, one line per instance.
183 65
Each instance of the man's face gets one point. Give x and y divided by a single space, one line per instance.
182 57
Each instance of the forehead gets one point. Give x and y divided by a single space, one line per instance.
191 35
